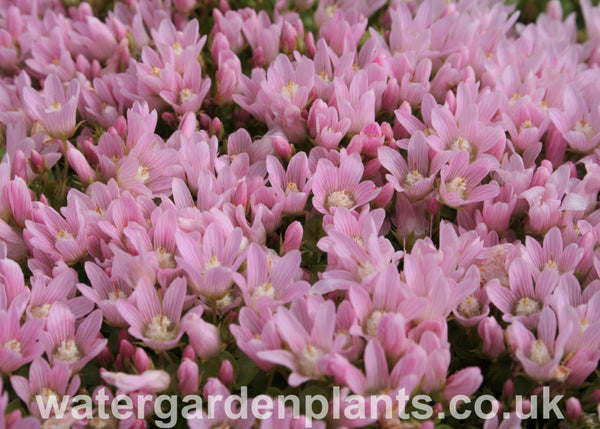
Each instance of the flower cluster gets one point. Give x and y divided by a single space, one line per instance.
382 196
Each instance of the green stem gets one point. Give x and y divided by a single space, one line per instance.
213 303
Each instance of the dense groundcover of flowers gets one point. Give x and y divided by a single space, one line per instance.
366 194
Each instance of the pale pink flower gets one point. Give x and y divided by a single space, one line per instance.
150 381
18 343
66 345
341 186
152 321
540 355
523 300
460 182
47 382
414 176
55 109
310 339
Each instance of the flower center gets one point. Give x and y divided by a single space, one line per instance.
493 266
340 199
156 71
67 351
514 98
412 177
213 262
184 95
177 49
550 264
265 289
290 89
359 240
116 294
461 144
40 311
372 322
330 11
13 345
226 301
458 185
470 307
291 187
160 329
324 77
309 357
64 235
142 174
584 127
526 124
539 353
46 393
527 306
365 269
54 107
165 259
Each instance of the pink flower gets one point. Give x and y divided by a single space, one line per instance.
285 93
204 337
46 382
413 177
540 356
493 337
187 375
553 255
578 123
152 321
262 36
211 263
522 300
341 186
325 126
55 237
230 25
221 415
66 345
292 183
256 333
178 48
355 102
45 292
310 339
460 181
389 297
377 379
548 200
464 382
13 281
343 30
55 109
150 381
19 343
186 92
271 281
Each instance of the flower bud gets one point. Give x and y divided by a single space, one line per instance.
226 373
204 337
492 335
293 237
81 166
142 361
187 375
574 410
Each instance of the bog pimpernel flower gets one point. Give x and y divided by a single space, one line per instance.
55 109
